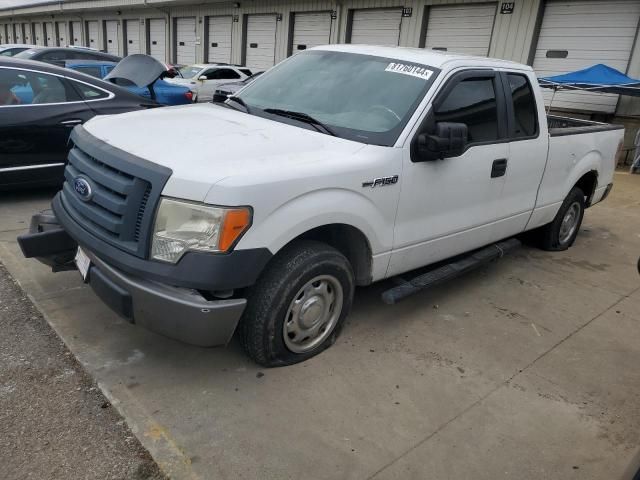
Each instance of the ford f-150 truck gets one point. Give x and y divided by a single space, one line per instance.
341 166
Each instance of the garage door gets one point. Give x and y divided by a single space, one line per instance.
17 32
157 38
186 41
260 49
39 33
311 30
576 35
380 26
132 36
111 36
75 35
3 33
49 35
63 38
93 30
460 28
219 39
26 32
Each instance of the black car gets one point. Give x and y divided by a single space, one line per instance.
39 106
57 55
227 89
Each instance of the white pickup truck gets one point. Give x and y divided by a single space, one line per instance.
341 166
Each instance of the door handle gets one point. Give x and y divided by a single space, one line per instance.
499 167
70 123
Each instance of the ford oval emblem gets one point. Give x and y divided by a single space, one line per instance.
83 188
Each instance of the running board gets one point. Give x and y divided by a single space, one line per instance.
448 272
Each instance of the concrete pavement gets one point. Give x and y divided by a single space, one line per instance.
524 369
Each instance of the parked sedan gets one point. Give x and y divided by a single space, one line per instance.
228 89
11 49
164 92
39 106
203 79
57 55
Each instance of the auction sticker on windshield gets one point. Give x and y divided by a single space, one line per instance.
406 69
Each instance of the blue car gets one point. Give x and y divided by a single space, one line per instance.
165 93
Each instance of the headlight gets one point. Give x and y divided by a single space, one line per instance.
182 226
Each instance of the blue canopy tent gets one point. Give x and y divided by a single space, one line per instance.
598 78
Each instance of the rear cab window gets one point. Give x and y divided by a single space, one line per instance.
522 106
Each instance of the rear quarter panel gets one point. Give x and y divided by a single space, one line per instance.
569 158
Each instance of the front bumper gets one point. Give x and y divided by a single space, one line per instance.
176 312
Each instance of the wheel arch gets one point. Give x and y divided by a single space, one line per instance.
588 183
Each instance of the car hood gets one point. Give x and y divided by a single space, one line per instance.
206 143
140 69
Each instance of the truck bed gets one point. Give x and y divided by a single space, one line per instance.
559 126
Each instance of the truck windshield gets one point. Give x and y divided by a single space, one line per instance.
364 98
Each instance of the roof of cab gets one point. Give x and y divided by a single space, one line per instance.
433 58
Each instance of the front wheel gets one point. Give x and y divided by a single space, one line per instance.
563 230
298 306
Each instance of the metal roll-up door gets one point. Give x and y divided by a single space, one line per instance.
376 26
17 33
75 35
186 40
3 33
260 49
111 36
49 35
93 30
461 28
310 30
39 40
63 38
132 36
157 39
576 35
26 29
219 39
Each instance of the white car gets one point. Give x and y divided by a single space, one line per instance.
341 166
203 79
11 49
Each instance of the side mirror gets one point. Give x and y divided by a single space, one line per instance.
202 77
448 140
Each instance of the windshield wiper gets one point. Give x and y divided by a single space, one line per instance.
239 101
302 117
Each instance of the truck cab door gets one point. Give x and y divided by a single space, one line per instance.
527 155
448 206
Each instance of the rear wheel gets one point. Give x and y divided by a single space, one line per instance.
563 230
298 306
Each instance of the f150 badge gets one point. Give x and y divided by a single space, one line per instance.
380 182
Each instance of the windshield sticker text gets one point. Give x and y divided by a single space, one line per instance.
413 70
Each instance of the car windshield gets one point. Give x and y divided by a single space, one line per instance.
364 98
189 72
26 53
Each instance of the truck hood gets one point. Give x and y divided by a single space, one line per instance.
204 144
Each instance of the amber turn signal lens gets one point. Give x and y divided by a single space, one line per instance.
235 224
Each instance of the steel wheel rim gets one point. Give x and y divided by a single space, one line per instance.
569 222
313 314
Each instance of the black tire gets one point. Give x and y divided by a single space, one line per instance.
550 235
262 324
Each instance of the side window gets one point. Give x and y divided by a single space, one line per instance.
472 102
223 74
246 71
54 55
87 92
20 87
93 71
524 106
